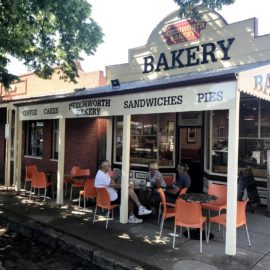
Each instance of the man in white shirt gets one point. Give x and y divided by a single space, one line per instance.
103 179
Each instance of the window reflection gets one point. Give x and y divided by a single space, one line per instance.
248 118
152 139
220 141
34 146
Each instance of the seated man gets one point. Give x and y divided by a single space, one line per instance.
103 179
182 181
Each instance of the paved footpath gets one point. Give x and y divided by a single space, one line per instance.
130 246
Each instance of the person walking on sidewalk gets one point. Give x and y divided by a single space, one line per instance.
246 181
103 179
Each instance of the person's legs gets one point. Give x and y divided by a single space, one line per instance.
134 198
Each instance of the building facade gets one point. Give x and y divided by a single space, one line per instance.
39 138
196 93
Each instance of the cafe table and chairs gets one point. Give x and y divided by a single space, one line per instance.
241 220
220 191
104 202
40 181
182 191
89 192
200 198
29 171
68 179
189 215
168 210
51 180
80 178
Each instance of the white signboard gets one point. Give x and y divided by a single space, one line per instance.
217 96
256 82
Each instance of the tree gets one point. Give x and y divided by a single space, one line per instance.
188 8
44 34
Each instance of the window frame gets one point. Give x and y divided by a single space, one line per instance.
28 140
55 137
209 137
157 135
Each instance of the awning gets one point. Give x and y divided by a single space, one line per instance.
255 82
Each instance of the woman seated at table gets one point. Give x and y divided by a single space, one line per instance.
182 181
155 177
156 181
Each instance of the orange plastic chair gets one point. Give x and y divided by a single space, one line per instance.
168 212
182 191
39 181
189 215
89 191
241 219
104 202
69 179
220 191
78 183
29 170
169 180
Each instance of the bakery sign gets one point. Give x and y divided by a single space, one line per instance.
216 96
188 30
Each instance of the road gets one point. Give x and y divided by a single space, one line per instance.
21 253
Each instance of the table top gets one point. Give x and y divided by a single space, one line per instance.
198 197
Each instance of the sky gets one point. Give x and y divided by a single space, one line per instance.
128 24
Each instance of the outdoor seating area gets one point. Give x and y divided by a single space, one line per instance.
193 211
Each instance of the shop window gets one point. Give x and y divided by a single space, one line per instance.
254 133
265 119
34 138
220 141
55 135
248 119
252 153
152 139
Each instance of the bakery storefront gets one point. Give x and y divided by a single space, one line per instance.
196 93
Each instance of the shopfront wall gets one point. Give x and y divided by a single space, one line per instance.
84 141
154 122
177 47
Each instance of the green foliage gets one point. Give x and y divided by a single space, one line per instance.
46 33
188 7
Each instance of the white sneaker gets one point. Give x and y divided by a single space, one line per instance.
134 220
144 211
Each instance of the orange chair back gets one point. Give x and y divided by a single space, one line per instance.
183 191
103 198
39 180
163 201
169 180
81 172
241 211
220 191
74 170
30 170
89 188
188 212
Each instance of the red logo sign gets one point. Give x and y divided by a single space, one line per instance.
183 31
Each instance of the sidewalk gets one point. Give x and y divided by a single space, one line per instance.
133 246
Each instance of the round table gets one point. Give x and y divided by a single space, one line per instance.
201 198
198 197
